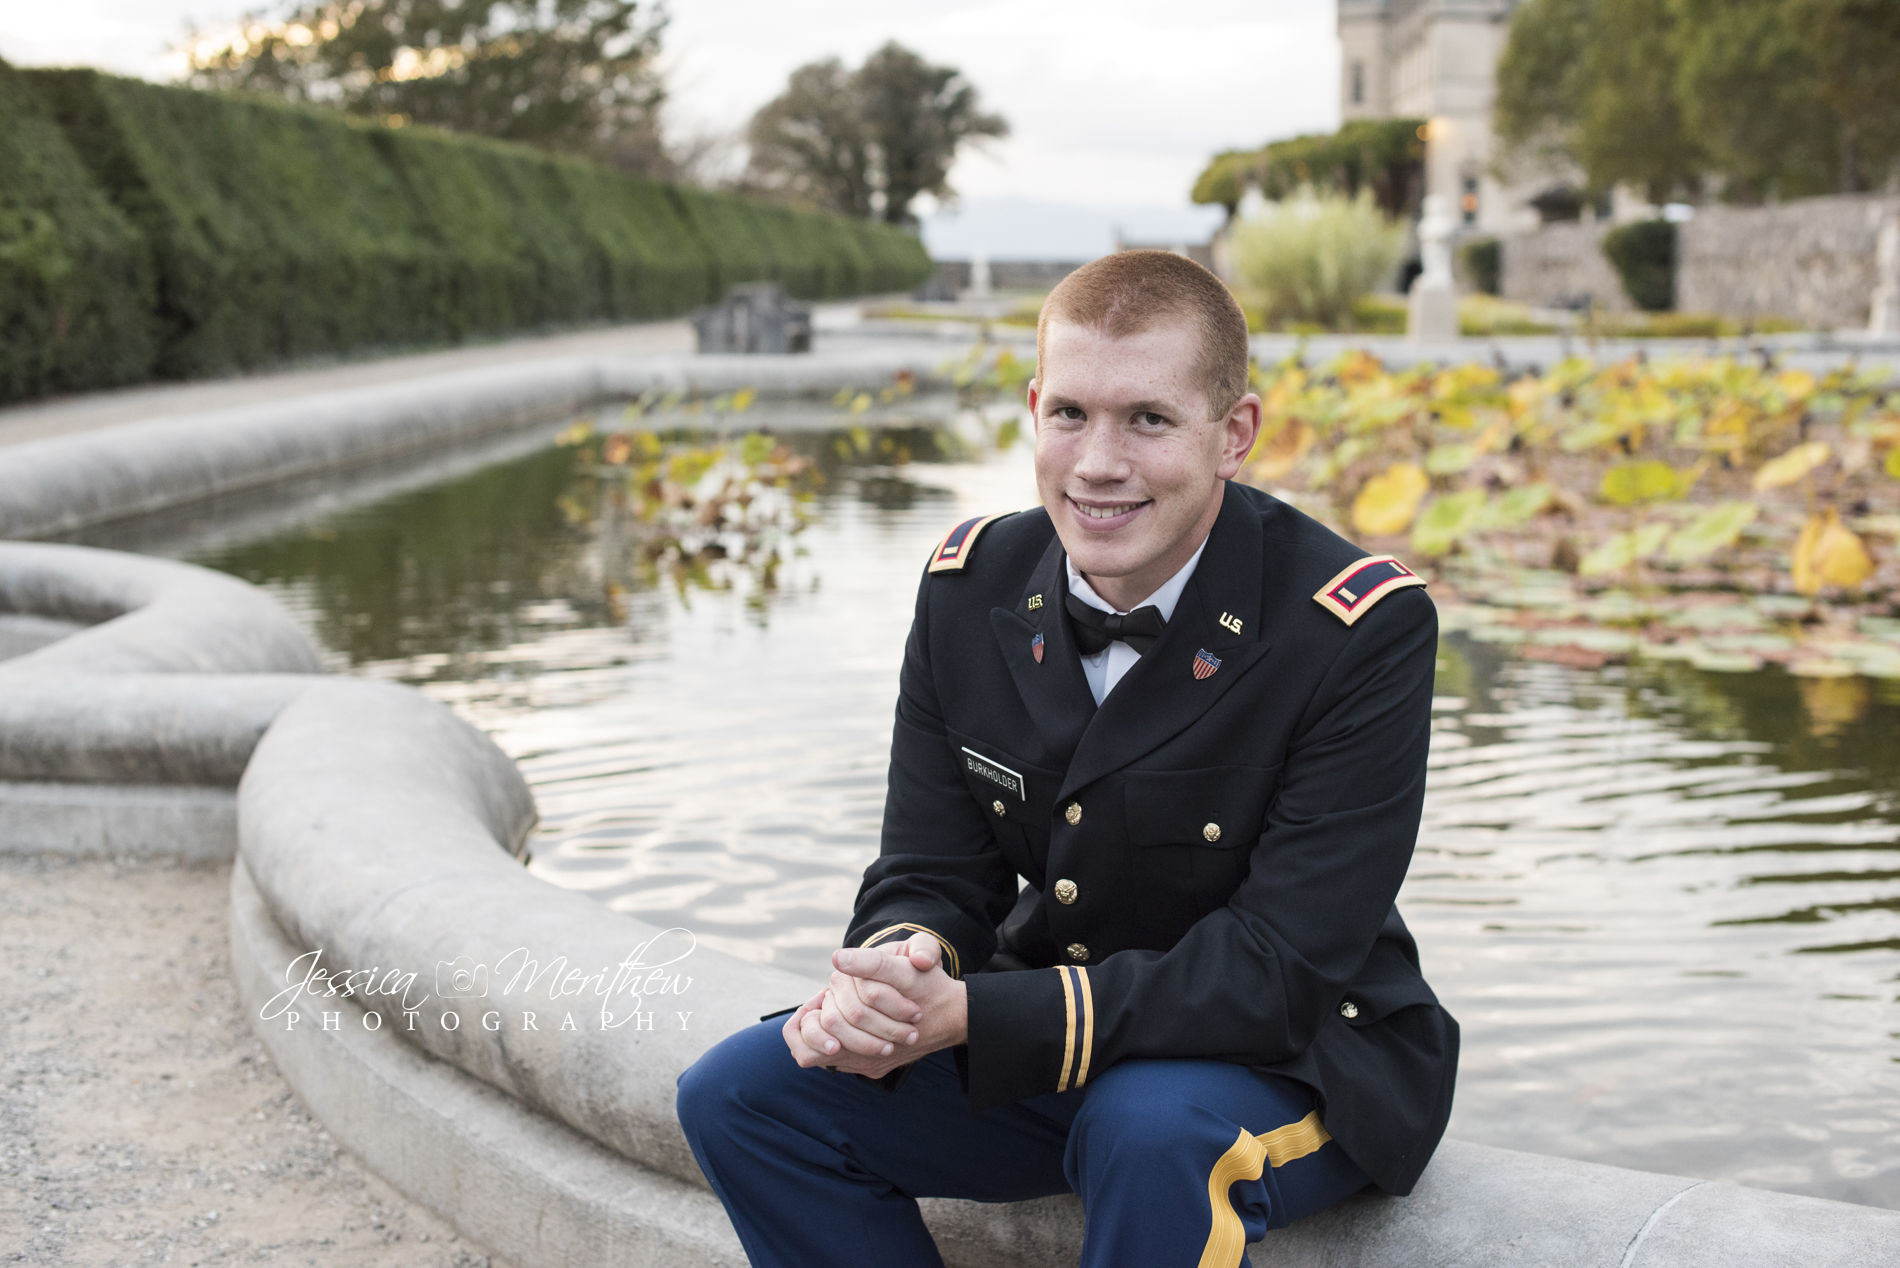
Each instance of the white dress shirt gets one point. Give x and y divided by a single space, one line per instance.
1106 667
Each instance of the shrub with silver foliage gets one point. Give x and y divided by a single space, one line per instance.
1308 258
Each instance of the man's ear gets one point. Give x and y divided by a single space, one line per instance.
1033 394
1239 430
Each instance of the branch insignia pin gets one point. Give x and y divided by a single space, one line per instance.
1035 648
1205 663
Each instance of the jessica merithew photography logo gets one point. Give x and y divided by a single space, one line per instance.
513 992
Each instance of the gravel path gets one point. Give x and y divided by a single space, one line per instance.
140 1121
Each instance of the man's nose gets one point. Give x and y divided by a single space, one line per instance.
1099 458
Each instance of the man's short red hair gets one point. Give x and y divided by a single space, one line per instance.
1132 291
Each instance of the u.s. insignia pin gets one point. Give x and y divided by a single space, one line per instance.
1205 663
1035 648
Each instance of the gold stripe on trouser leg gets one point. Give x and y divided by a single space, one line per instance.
1068 1043
1244 1160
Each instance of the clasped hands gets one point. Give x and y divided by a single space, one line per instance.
886 1007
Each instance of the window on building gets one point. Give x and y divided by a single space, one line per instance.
1358 83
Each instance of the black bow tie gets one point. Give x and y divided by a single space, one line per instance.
1096 629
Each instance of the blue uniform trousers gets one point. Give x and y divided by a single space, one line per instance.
1179 1163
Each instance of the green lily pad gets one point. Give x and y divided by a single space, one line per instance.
1618 605
1687 649
1881 627
1716 616
1499 634
1590 638
1726 662
1781 604
1821 669
1751 644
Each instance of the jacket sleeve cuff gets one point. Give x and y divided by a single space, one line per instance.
952 962
1030 1033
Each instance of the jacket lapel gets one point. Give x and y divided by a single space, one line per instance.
1160 697
1054 689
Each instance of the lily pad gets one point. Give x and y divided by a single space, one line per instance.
1726 662
1590 638
1716 616
1687 649
1821 669
1499 634
1884 628
1752 644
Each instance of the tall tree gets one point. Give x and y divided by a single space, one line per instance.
1758 98
1857 63
1749 89
1541 81
573 75
1633 130
810 142
1594 82
867 142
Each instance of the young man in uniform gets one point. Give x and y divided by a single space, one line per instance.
1155 781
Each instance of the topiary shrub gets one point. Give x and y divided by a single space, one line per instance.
1484 265
1644 255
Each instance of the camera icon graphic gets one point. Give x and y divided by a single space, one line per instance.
460 978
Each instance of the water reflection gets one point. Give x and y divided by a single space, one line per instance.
1663 902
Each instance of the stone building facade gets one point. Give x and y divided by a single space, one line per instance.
1437 60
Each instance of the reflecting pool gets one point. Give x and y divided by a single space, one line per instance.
1664 903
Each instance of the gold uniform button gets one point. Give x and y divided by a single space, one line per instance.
1348 1010
997 806
1211 832
1066 892
1078 952
1073 813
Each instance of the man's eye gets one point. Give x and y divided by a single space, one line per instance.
1073 413
1148 418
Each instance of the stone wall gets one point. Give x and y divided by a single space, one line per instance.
1558 265
1810 261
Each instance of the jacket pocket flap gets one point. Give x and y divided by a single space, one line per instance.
1219 806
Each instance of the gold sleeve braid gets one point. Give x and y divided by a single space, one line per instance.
951 963
1079 1042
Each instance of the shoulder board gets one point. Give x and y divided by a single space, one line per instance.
1352 593
954 551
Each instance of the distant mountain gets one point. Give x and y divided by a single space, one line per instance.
1021 229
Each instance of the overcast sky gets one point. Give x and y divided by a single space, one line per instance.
1114 105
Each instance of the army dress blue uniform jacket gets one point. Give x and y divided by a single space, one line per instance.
1211 860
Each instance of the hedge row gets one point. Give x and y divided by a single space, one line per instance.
76 283
249 232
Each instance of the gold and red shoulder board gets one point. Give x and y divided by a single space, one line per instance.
1352 593
954 550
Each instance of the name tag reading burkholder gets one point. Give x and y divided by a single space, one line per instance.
1002 776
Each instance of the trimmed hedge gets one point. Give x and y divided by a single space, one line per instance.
275 232
1644 256
76 281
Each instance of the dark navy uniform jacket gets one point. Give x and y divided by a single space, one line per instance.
1209 860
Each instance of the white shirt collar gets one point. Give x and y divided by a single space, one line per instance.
1163 599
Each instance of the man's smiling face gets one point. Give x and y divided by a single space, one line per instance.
1130 459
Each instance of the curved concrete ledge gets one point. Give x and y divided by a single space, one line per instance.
143 615
68 483
125 726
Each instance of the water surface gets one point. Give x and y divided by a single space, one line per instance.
1664 904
